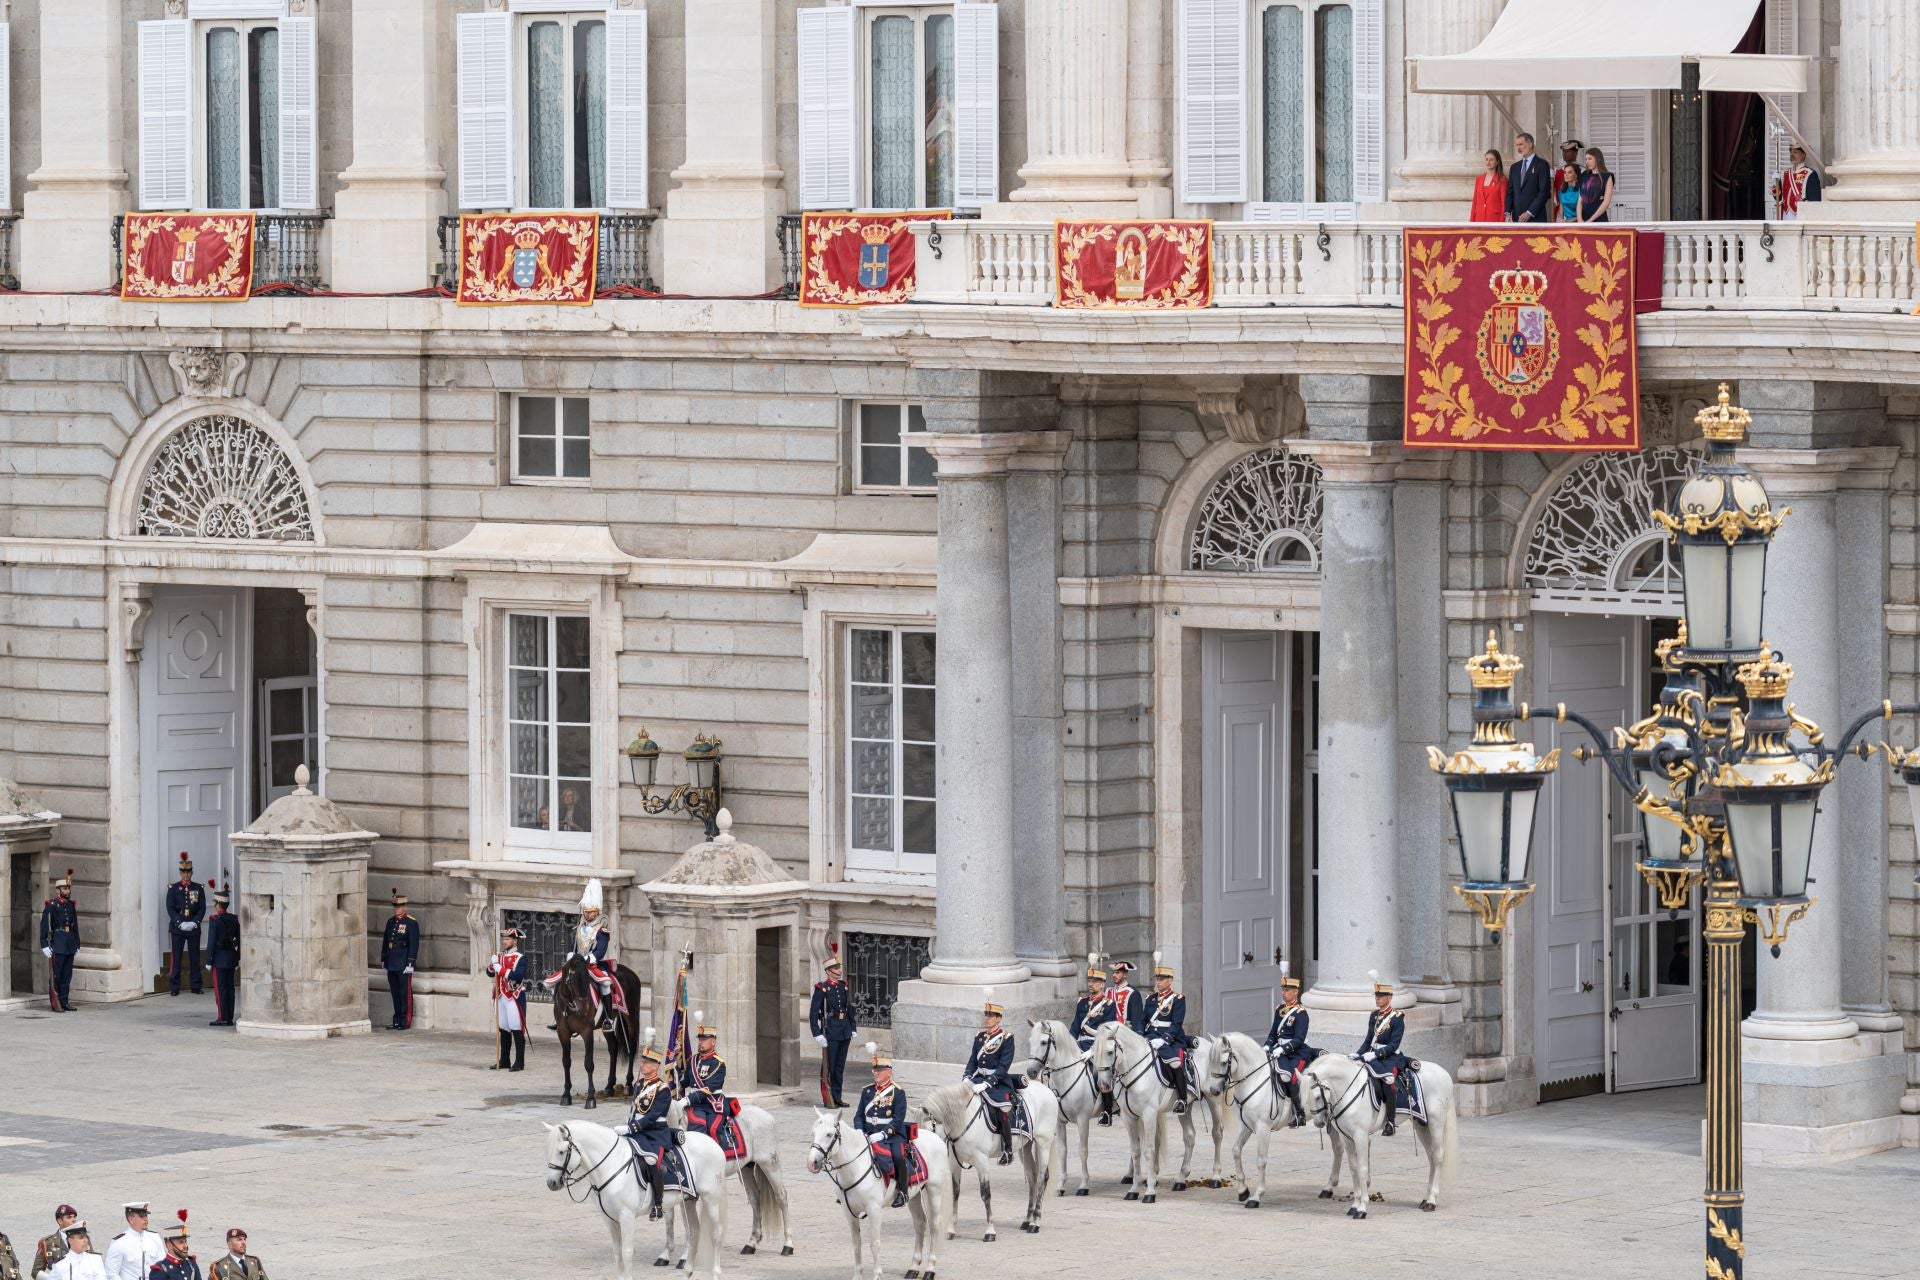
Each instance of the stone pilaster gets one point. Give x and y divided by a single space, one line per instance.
1447 132
1875 169
80 186
1420 617
387 211
1076 95
718 234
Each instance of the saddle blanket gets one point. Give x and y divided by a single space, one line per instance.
1165 1069
724 1130
1412 1098
677 1176
916 1164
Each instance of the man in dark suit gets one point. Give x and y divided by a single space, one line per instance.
1529 183
223 955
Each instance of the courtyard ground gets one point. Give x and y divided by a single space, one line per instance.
401 1156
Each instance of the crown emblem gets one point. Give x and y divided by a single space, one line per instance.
1526 287
1768 677
1493 669
527 237
1724 420
876 233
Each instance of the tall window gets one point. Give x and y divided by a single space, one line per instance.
1306 114
910 109
890 750
241 90
566 97
892 451
549 730
551 439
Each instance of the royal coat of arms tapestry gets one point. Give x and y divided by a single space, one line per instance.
859 259
1521 341
186 257
513 258
1160 265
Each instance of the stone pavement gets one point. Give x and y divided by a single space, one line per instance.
402 1156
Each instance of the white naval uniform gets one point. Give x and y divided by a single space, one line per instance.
133 1253
79 1266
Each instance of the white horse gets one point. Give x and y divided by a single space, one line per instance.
1057 1060
1214 1107
601 1163
1241 1077
1339 1093
844 1154
1123 1064
959 1115
759 1176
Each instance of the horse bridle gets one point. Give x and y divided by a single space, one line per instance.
1047 1072
1227 1085
1124 1078
570 1180
831 1169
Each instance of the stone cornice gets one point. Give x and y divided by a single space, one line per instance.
1790 472
1344 462
988 453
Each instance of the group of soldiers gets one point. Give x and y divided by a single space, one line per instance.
138 1253
708 1108
187 920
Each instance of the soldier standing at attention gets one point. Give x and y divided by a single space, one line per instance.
135 1250
186 908
60 942
882 1116
830 1018
237 1263
178 1263
53 1247
399 948
223 955
79 1262
510 974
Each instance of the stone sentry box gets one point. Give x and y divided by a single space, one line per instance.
26 834
302 881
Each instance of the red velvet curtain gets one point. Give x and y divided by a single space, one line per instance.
1736 142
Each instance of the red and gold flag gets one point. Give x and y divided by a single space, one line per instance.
1521 341
507 259
186 257
859 259
1147 265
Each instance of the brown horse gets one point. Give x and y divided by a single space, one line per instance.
573 1002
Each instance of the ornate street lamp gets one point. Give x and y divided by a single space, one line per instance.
698 797
1727 795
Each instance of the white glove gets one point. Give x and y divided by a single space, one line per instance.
1157 1042
47 952
1353 1057
1367 1056
188 926
821 1041
979 1086
408 969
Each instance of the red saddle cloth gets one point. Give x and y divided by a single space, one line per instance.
723 1129
917 1163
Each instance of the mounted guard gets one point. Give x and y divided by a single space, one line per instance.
647 1126
1287 1047
1167 1032
591 942
1122 1004
1088 1006
708 1109
1380 1052
882 1116
989 1071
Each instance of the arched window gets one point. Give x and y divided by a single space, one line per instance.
1261 516
222 477
1595 544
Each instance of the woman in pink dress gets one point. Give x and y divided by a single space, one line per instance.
1490 191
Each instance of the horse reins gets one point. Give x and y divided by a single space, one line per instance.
1227 1058
831 1169
1047 1071
568 1180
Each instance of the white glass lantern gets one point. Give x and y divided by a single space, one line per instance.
1770 793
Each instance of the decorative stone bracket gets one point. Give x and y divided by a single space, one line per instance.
1256 413
207 371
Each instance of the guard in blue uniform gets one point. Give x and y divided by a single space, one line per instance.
60 942
989 1070
186 909
1167 1030
647 1123
882 1116
1088 1006
1122 1004
399 949
223 954
1380 1050
706 1104
179 1264
1287 1046
830 1018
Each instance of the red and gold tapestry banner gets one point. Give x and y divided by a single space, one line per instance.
859 259
1162 265
1521 341
508 259
187 257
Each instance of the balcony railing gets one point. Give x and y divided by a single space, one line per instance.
786 235
1800 266
9 272
626 254
287 251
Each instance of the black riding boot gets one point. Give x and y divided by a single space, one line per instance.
1179 1089
902 1170
1387 1101
657 1186
1299 1112
1106 1110
506 1049
1006 1137
519 1051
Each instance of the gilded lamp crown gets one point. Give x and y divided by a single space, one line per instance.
1518 286
1766 676
1493 669
1724 421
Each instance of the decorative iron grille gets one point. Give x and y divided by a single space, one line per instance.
9 273
786 235
877 963
546 938
1261 516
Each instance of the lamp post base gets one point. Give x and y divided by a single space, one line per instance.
1725 1193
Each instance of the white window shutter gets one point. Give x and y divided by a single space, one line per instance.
827 116
1783 36
1620 123
976 113
166 114
6 117
1369 101
1212 54
627 109
484 52
299 141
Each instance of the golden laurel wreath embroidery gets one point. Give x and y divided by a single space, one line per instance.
578 234
233 233
823 288
1593 405
1186 290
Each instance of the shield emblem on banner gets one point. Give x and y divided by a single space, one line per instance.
1517 342
184 254
526 267
875 261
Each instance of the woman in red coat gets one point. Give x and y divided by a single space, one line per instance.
1490 191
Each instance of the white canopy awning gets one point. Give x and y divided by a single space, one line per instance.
1612 44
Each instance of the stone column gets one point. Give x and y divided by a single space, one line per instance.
718 234
301 875
1039 835
80 186
1447 132
387 211
26 831
1076 75
1420 618
1876 165
1348 422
